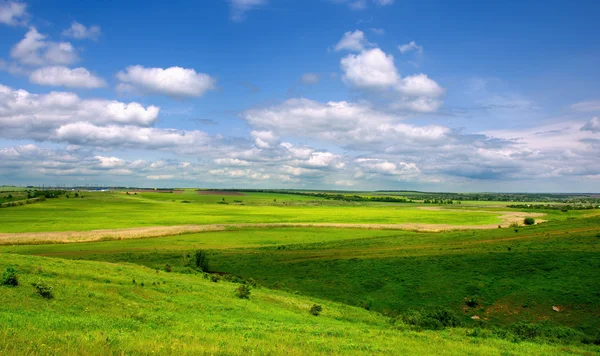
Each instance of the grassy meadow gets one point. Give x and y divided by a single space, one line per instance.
479 290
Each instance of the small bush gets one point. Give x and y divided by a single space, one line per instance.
9 277
243 292
435 319
168 268
529 221
472 302
44 290
315 310
214 278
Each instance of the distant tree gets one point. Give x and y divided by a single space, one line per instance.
243 292
529 221
315 310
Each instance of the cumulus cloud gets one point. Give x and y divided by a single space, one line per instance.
409 47
79 31
85 133
63 76
593 125
239 8
35 50
173 81
354 41
373 69
13 13
34 116
350 125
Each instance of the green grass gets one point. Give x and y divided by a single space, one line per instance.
117 210
98 310
514 276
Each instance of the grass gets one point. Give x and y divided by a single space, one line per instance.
109 210
503 276
514 276
98 310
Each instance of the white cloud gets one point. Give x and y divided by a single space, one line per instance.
160 177
79 31
370 69
231 162
585 106
63 76
354 41
377 31
373 69
34 116
419 85
35 50
13 13
84 133
362 4
411 46
310 78
239 8
173 81
593 125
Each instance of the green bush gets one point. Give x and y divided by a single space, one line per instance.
529 221
243 292
435 319
44 290
315 310
9 277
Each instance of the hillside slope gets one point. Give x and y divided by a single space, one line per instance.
105 308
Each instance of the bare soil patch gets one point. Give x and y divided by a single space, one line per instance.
219 192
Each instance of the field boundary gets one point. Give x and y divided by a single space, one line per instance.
62 237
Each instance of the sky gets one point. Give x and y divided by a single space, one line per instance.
317 94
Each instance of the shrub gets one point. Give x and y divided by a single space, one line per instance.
472 302
243 292
529 221
201 259
44 290
315 310
168 268
9 277
431 320
214 278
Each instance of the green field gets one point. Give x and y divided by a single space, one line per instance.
117 210
370 281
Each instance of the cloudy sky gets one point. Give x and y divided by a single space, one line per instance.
330 94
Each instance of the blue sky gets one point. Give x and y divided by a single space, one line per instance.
332 94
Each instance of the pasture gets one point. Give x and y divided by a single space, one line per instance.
371 264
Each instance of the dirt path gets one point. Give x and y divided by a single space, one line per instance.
24 238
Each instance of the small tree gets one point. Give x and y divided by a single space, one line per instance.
243 292
44 290
529 221
9 277
315 310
